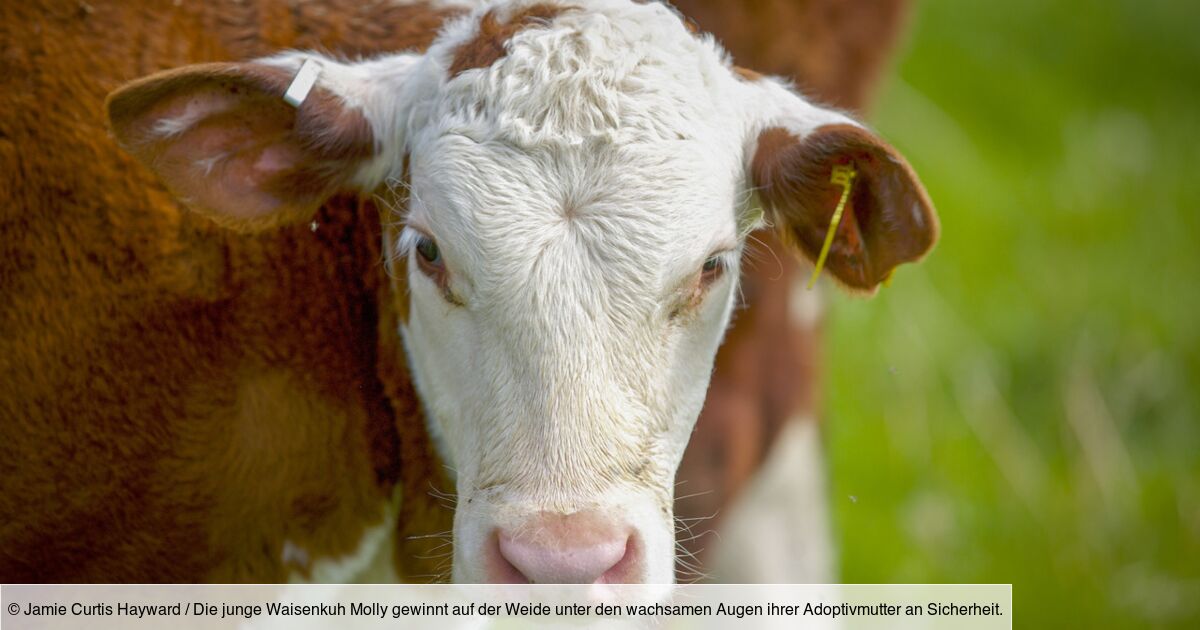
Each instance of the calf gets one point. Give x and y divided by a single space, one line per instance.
566 193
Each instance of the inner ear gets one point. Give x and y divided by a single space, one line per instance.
226 143
887 218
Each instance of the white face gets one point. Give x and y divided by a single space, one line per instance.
566 307
570 283
573 216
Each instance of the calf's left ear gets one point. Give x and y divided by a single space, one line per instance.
887 218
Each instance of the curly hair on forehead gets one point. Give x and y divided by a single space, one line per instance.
566 75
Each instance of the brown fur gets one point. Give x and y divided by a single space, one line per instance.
490 44
835 50
178 400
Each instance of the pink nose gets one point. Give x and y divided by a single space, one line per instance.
580 548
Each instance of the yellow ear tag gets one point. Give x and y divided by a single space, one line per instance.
843 175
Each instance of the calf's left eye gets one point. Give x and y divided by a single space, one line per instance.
713 267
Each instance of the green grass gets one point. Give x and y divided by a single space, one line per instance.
1022 406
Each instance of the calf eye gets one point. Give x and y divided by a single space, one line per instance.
695 290
429 250
712 269
430 262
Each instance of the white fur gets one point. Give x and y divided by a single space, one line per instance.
805 306
575 188
370 562
786 505
168 127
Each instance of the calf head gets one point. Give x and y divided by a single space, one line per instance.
571 187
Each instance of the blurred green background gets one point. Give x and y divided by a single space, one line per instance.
1022 407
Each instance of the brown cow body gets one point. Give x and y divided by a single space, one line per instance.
183 403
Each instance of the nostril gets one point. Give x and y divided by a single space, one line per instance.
565 562
624 570
500 570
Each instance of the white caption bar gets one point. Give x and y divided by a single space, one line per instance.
451 607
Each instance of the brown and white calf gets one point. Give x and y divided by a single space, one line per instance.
566 189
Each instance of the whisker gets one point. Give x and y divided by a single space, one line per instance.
691 519
763 247
693 495
700 535
446 534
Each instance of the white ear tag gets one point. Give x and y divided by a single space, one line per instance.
305 79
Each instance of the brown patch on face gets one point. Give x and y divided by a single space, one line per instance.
747 74
489 44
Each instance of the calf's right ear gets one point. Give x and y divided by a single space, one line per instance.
227 144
